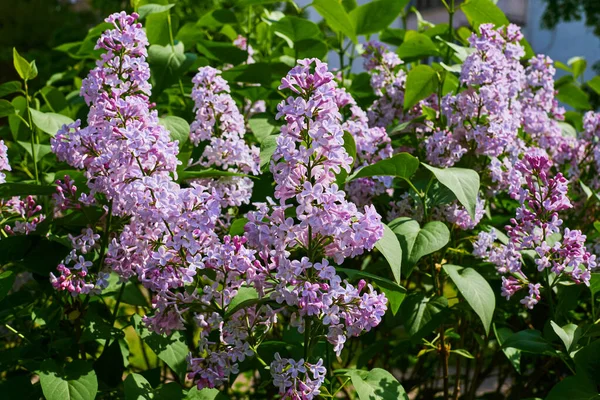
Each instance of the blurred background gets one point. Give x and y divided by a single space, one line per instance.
562 29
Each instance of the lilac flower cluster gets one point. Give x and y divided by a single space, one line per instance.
309 154
537 227
220 127
25 215
4 165
372 145
287 375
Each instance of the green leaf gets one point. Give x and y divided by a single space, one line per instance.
170 349
464 353
26 70
49 122
377 384
421 314
12 87
237 226
41 150
109 366
7 279
476 291
262 125
595 279
178 129
587 361
593 83
578 65
24 189
205 394
393 36
574 388
245 297
76 381
294 29
464 183
460 52
376 15
267 148
513 355
336 17
402 165
572 95
350 145
168 64
568 334
205 173
250 73
421 82
6 108
217 18
417 242
393 291
147 9
529 341
136 387
225 53
417 45
389 246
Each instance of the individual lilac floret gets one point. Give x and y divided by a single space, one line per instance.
297 380
558 254
220 127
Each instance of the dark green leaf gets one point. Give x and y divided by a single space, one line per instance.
250 73
476 290
109 366
513 355
587 361
225 53
529 341
168 64
23 189
393 291
421 314
294 29
572 95
593 83
136 387
12 87
6 108
7 278
574 388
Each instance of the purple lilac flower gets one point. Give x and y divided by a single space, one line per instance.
535 227
221 128
4 165
24 214
297 380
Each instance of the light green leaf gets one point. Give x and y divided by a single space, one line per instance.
76 381
49 122
389 246
568 334
578 64
205 173
416 45
26 70
336 17
267 148
594 83
421 82
376 15
41 150
294 29
148 9
205 394
402 165
237 226
476 291
572 95
462 352
464 183
460 52
377 384
245 297
178 128
262 125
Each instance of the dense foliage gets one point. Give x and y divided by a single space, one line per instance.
199 207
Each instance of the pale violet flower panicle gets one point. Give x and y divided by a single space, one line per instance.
220 127
297 379
308 157
558 251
